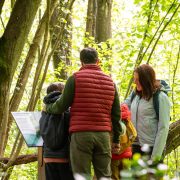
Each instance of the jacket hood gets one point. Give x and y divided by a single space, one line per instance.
51 97
125 112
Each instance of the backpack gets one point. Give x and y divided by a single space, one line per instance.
164 87
54 129
128 138
130 134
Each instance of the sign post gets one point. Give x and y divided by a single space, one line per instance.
41 167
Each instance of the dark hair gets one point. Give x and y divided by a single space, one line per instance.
88 55
55 87
147 79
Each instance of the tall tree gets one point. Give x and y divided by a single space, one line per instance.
91 20
104 30
27 66
103 20
61 56
98 25
11 46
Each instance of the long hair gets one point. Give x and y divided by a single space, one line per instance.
147 79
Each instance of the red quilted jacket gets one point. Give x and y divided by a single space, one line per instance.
94 96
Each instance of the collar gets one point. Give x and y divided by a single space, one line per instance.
90 66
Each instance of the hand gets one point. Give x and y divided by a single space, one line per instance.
115 148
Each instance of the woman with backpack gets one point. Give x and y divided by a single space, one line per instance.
152 128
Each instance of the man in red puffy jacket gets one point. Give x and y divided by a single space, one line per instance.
95 112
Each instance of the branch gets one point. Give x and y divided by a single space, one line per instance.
172 5
139 57
14 155
173 81
162 33
41 60
150 15
173 139
55 45
23 159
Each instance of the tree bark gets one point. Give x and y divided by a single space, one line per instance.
17 31
27 66
61 56
1 5
91 20
23 159
12 3
103 20
103 29
173 139
11 46
26 69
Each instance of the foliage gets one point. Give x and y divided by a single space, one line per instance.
25 172
140 167
130 33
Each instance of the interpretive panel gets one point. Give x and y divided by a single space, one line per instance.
28 124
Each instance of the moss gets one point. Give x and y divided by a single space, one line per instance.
4 67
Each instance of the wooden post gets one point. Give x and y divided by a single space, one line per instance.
41 167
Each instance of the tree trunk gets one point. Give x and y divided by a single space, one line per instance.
103 20
1 5
4 110
103 29
27 66
11 46
12 3
61 56
17 31
91 20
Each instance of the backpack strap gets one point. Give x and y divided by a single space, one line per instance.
133 94
156 103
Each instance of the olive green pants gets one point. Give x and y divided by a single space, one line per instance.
91 147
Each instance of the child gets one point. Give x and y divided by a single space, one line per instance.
125 143
57 165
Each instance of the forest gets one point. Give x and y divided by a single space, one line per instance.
40 41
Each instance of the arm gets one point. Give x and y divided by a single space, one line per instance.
163 126
115 115
65 100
